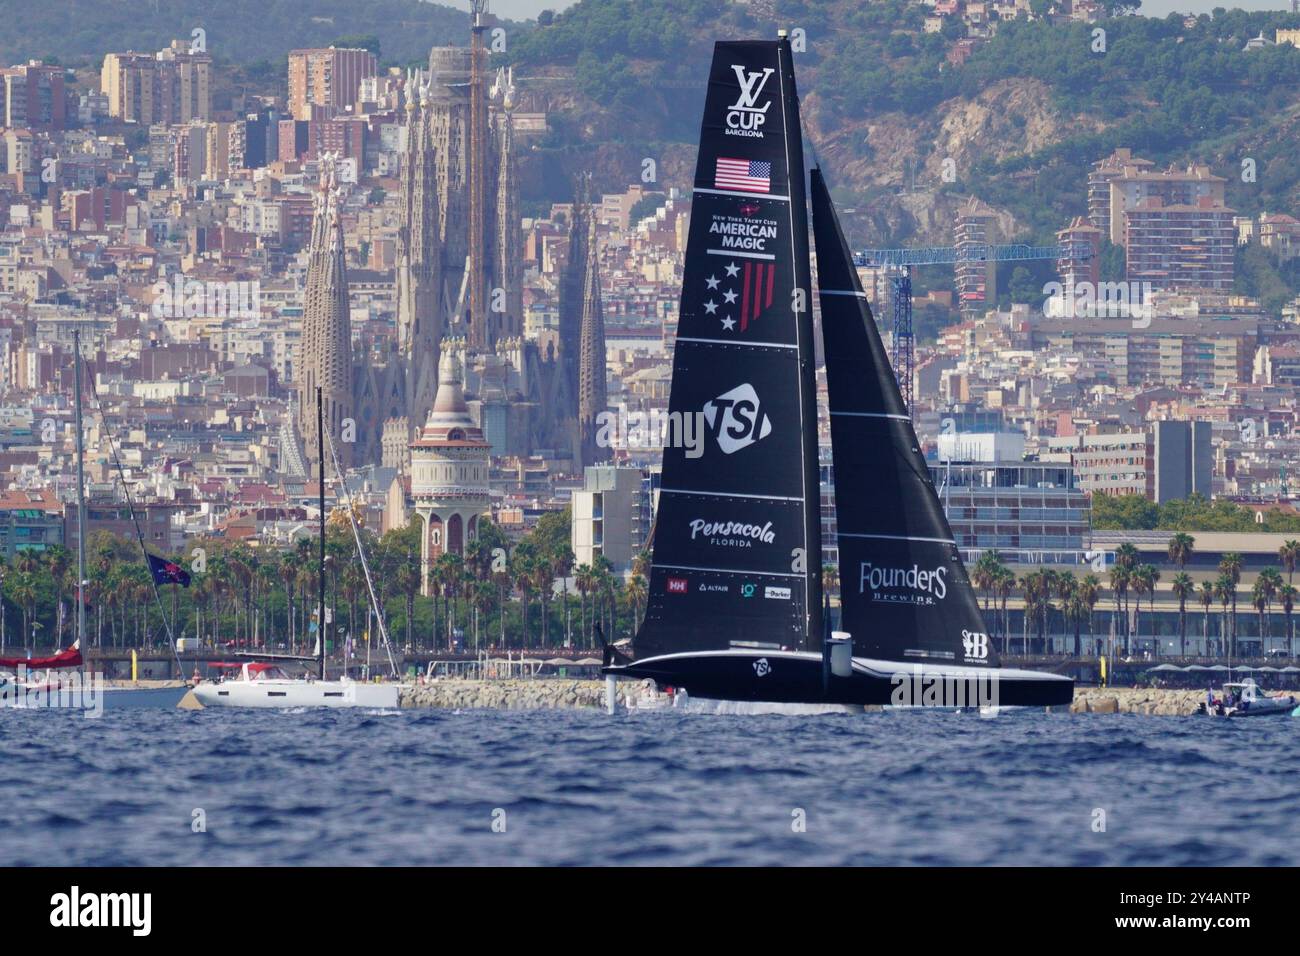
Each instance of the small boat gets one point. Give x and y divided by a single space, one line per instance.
39 683
264 684
1245 699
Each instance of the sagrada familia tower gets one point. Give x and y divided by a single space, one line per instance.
326 360
459 287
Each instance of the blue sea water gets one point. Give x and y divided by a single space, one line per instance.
578 787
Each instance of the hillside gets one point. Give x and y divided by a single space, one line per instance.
1022 120
80 32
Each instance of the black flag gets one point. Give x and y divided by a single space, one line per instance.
168 572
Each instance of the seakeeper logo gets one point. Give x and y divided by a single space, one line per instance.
745 117
735 419
95 910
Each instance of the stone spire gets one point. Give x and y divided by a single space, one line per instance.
507 273
592 399
419 258
326 356
573 288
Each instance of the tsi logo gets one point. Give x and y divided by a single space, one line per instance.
736 420
976 645
745 117
761 667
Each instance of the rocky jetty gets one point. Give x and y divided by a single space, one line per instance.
551 693
1136 700
542 694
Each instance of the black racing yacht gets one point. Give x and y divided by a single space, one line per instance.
735 607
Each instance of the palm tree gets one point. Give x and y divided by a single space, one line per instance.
1225 589
1119 583
1183 588
1005 584
1230 565
1180 549
1206 596
1259 601
985 572
1067 589
636 593
1288 595
57 560
1289 556
1140 584
1089 593
1270 584
585 580
561 567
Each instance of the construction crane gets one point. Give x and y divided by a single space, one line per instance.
901 261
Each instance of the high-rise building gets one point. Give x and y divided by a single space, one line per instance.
1099 179
976 276
1184 460
326 82
171 86
592 400
1181 246
1080 254
32 96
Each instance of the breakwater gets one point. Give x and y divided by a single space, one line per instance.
546 694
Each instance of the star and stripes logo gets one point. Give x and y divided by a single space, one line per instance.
742 293
743 175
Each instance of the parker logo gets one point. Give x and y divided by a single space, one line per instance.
976 645
732 534
677 586
736 420
777 594
745 117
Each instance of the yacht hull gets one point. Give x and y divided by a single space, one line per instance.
799 677
296 693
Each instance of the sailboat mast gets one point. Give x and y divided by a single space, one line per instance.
81 492
320 445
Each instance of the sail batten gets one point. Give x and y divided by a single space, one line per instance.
736 552
905 592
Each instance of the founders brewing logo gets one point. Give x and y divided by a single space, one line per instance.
735 419
903 585
746 117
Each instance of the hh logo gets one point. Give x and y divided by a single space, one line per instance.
745 115
677 586
761 667
975 644
736 420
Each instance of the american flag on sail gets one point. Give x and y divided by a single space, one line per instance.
757 293
745 175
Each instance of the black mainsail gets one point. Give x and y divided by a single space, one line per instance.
737 552
905 591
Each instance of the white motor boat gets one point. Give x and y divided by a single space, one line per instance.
1245 699
260 684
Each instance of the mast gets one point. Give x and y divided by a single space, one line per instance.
320 443
81 493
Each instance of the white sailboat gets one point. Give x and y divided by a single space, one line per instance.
262 682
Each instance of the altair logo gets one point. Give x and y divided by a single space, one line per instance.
735 419
745 117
